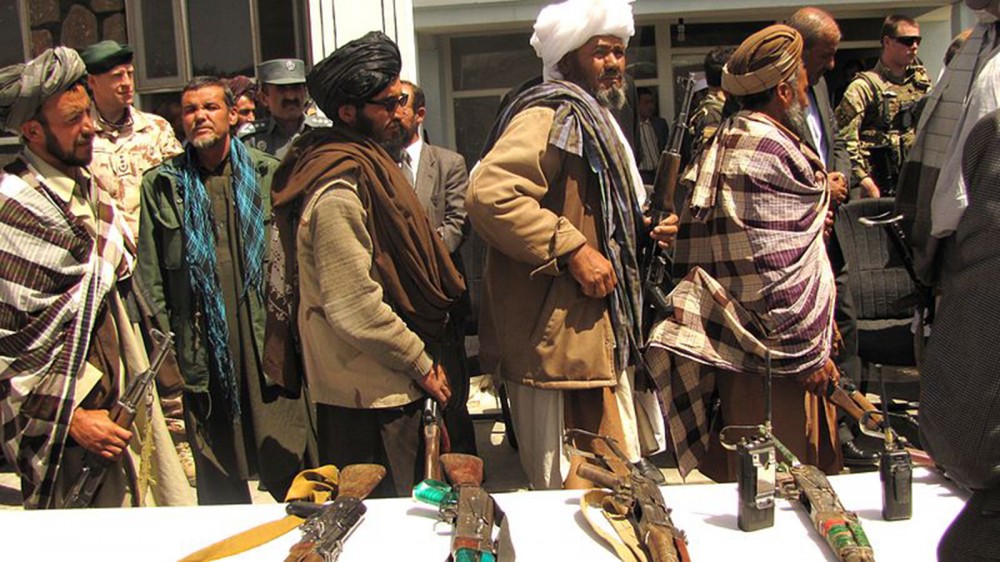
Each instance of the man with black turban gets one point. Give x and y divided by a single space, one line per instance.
758 280
375 281
67 346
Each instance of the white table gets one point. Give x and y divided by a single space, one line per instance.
545 526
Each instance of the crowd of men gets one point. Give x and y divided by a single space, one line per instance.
307 263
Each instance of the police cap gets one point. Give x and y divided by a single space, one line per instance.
282 71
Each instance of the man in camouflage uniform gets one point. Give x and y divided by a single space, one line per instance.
128 141
876 118
705 119
283 93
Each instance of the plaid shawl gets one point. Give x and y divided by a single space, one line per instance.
584 128
757 274
54 280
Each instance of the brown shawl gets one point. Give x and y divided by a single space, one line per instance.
417 275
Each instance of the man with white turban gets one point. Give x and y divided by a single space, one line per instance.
758 279
555 199
67 346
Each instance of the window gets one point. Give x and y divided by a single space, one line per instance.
220 38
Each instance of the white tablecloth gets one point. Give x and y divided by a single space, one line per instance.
544 526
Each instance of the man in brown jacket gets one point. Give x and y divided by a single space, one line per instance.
375 283
561 310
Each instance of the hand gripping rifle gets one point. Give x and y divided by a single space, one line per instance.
464 505
657 282
328 526
756 466
122 413
635 496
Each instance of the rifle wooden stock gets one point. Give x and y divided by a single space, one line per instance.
665 185
462 470
855 404
839 528
664 546
358 480
597 475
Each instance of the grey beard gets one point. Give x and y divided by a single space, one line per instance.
206 142
612 98
795 118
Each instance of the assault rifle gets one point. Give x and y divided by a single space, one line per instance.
657 263
465 506
635 495
435 440
122 413
756 466
328 526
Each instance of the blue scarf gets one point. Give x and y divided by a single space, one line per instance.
199 246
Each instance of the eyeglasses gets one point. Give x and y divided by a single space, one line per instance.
909 40
391 103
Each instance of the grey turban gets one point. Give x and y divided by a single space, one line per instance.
25 87
355 72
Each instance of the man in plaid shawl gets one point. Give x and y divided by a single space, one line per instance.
67 346
758 278
557 199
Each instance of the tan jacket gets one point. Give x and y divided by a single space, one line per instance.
532 204
357 352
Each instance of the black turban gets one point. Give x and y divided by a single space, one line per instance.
355 72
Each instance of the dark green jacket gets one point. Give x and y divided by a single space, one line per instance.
165 272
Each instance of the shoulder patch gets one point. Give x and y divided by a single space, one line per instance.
317 122
251 128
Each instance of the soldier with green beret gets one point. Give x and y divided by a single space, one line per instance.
877 117
283 93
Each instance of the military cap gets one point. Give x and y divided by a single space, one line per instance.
282 71
105 55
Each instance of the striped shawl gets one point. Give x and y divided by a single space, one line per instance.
55 277
757 274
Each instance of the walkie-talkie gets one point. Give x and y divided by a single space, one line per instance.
895 468
756 466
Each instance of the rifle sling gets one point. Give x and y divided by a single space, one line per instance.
624 540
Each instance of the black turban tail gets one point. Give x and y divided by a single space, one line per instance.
355 72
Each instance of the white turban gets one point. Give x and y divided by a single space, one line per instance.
567 26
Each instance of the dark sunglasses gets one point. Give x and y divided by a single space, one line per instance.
391 103
909 40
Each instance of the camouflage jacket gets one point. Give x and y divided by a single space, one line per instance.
704 121
879 110
123 153
266 136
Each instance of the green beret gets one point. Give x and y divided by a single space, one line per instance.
102 57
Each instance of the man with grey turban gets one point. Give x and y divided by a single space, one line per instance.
375 281
758 281
562 299
67 346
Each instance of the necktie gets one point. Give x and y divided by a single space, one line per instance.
407 168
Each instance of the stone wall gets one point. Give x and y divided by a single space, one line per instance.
75 23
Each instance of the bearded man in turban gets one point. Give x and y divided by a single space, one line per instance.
758 285
375 281
67 346
556 198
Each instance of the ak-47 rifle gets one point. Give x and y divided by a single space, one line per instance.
465 506
432 440
635 495
123 414
657 263
326 527
756 468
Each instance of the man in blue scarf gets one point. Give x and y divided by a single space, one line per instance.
201 251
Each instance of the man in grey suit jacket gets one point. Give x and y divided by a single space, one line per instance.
439 177
821 37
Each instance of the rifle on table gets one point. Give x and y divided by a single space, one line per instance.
657 264
123 414
435 440
465 506
635 496
328 526
756 467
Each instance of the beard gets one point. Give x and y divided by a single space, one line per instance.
612 97
206 141
70 157
795 117
392 140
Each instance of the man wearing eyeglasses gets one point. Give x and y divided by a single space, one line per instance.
283 93
877 117
375 282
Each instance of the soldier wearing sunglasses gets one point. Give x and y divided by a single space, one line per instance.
877 118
